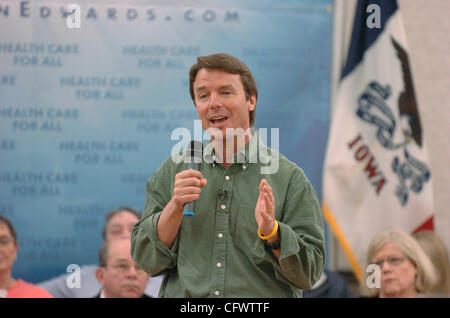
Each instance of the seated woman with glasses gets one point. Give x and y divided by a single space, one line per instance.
398 267
10 287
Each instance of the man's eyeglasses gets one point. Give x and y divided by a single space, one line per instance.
125 268
393 261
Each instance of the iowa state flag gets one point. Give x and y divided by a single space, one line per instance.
376 174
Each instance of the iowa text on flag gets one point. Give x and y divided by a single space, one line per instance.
376 173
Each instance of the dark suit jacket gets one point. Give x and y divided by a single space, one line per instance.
334 287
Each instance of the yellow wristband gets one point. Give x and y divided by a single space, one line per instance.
274 231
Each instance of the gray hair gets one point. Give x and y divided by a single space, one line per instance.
433 245
426 273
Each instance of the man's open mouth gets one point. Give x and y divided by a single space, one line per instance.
218 119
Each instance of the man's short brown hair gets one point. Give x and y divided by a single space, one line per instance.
112 213
229 64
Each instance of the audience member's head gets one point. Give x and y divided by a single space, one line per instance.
119 275
8 246
405 270
119 223
437 251
10 287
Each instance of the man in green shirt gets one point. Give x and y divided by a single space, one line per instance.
257 231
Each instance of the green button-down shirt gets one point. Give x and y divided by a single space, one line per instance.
217 252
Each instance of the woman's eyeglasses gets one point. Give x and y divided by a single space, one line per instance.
393 261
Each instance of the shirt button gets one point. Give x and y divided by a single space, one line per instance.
216 293
223 206
227 178
219 265
220 235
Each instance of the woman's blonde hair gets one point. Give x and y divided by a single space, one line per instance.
426 273
437 251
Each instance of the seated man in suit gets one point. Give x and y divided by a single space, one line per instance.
119 275
118 223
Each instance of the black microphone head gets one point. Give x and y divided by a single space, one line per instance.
194 153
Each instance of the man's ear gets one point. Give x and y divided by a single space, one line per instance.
99 274
252 103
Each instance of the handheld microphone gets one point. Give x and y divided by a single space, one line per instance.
194 156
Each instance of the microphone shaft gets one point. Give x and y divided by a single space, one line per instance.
188 209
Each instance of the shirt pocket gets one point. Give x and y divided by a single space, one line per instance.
244 227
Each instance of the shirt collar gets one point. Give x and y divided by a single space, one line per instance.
255 149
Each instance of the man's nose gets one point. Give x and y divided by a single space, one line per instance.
132 272
214 101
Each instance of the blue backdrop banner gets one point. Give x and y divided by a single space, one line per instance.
89 101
